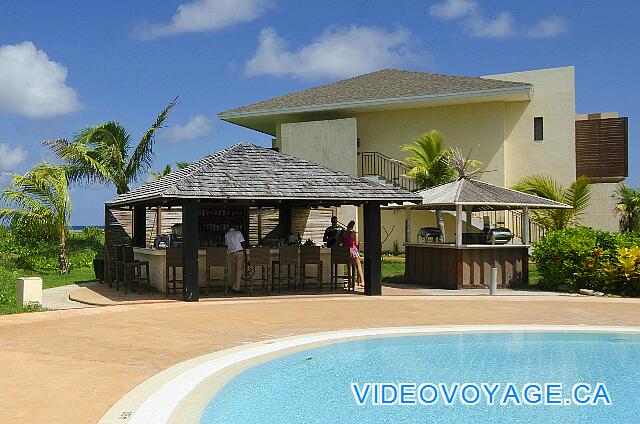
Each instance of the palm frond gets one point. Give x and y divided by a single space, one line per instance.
429 160
576 195
142 156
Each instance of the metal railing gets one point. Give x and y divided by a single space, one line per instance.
512 220
391 170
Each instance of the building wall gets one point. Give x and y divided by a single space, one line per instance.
478 126
331 143
553 100
601 211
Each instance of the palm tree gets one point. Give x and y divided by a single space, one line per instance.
577 195
628 207
156 175
104 154
431 164
40 198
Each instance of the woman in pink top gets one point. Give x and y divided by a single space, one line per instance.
350 240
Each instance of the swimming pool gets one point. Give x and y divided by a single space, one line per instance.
314 385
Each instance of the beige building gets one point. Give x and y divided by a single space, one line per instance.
518 124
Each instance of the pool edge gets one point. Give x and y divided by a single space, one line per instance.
157 398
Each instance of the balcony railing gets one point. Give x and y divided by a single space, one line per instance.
391 170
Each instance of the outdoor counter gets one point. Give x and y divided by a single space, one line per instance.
157 267
447 266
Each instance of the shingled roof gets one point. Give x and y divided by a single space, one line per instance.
249 172
384 84
481 196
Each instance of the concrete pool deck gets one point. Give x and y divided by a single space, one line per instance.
71 366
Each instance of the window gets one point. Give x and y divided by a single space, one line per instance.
537 128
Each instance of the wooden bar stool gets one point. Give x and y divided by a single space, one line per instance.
119 266
111 267
310 255
287 256
173 261
340 256
133 270
260 257
216 258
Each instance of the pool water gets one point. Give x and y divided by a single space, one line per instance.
314 386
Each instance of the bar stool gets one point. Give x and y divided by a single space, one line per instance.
341 255
287 256
133 270
119 265
173 261
260 257
111 267
310 255
216 258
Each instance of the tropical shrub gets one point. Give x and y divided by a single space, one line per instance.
40 252
623 274
586 258
7 287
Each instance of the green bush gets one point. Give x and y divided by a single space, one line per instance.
583 258
39 252
7 287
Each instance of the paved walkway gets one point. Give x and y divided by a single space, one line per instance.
70 366
102 295
58 297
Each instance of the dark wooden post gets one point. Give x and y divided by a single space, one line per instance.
139 226
284 218
107 236
372 249
190 241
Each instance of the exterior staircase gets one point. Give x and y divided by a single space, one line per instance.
380 168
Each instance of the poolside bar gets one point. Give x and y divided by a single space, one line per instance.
222 190
467 262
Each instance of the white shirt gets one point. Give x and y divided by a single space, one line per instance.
233 239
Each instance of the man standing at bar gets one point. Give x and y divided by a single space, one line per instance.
236 254
332 233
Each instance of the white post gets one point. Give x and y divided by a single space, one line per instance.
493 281
525 225
458 225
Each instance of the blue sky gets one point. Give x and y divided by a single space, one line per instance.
69 64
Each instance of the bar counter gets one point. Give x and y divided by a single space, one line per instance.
447 266
157 267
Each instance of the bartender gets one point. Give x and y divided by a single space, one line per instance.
236 256
332 233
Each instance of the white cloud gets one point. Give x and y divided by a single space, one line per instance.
197 127
500 27
339 52
452 9
31 85
10 157
549 27
205 15
475 22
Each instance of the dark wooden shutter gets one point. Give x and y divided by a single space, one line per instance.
602 148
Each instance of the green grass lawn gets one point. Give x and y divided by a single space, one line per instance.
392 271
49 280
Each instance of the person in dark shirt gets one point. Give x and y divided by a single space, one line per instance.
332 233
